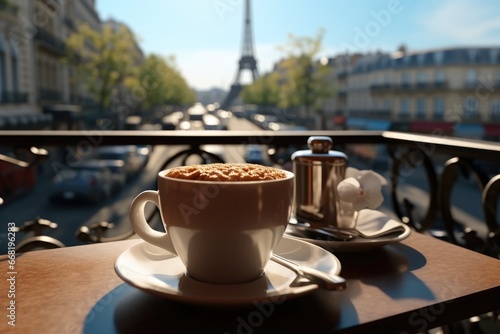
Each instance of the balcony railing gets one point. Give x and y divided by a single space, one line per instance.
13 97
50 41
69 22
370 114
441 159
49 95
407 87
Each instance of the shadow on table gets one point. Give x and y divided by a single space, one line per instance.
129 310
388 268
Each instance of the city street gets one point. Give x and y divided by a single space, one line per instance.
466 198
70 217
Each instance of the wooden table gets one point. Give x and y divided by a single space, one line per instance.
416 285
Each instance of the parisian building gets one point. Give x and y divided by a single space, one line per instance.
448 91
38 89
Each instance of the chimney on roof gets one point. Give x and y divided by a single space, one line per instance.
402 49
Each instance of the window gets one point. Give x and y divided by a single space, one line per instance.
438 57
405 79
439 77
387 105
388 79
471 107
420 108
495 110
3 74
438 107
471 78
15 65
420 59
472 56
405 108
421 79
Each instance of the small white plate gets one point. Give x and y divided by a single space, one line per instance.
366 218
159 272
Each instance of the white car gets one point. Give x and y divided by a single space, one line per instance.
133 160
118 175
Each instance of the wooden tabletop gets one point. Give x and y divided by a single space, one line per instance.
416 285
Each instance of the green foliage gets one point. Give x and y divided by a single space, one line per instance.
299 80
105 60
264 91
112 68
162 84
304 78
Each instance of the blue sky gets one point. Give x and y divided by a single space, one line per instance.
205 35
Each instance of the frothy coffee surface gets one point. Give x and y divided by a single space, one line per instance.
226 172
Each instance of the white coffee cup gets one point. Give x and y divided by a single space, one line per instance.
223 231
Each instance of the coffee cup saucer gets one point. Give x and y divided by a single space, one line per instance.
161 273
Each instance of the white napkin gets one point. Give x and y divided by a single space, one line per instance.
373 224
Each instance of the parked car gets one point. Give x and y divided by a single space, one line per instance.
255 155
212 122
144 152
171 122
224 117
116 167
88 182
133 161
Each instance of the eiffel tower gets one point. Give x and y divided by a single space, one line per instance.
247 60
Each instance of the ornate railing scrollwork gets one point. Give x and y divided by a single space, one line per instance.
449 176
193 150
490 200
440 199
413 157
459 232
409 152
38 155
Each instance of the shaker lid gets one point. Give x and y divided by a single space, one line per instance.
319 149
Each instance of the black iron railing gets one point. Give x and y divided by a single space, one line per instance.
13 97
50 41
480 160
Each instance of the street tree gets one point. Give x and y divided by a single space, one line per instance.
106 61
162 84
263 92
303 79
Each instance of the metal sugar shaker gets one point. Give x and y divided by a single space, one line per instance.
318 171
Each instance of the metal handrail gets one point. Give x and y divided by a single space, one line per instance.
402 147
466 147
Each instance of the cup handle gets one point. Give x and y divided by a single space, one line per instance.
142 228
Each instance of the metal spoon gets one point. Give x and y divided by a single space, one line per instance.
323 279
308 231
342 235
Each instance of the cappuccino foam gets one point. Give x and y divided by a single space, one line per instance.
226 172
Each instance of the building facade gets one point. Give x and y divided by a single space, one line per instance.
36 83
450 90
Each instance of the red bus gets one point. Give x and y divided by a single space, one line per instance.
15 180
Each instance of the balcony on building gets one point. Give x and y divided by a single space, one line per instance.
50 41
381 88
49 95
13 97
